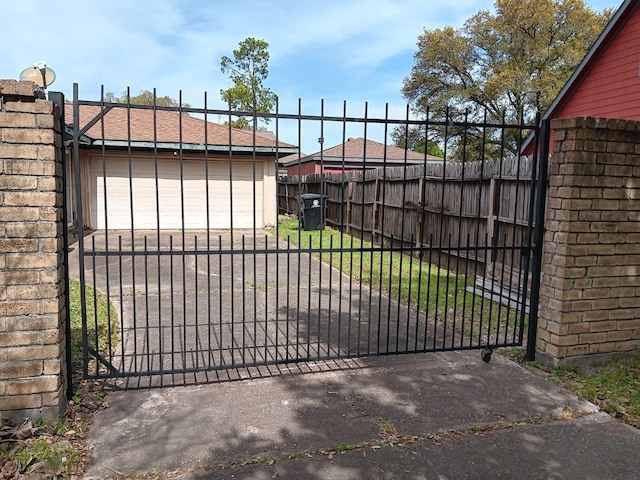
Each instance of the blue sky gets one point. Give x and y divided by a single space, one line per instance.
336 50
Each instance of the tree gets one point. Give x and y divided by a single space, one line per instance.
247 70
145 97
414 139
509 65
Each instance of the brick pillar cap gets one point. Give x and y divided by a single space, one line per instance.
595 123
23 90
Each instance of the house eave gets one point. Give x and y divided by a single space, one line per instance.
193 147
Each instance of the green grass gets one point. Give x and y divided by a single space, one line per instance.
340 447
388 271
52 459
389 428
613 385
102 324
404 278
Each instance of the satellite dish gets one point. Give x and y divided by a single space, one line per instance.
40 74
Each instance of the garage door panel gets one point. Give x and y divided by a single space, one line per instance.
174 200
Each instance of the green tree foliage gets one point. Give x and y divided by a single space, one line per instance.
508 65
247 69
415 140
145 97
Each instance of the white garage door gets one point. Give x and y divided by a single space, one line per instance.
149 195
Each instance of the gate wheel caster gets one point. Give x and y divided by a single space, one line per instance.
486 355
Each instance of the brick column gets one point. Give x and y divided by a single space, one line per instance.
590 290
32 306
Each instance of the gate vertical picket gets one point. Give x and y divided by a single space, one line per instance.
427 256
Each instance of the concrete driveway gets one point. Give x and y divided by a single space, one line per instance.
445 415
196 303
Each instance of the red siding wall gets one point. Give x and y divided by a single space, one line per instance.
304 169
612 87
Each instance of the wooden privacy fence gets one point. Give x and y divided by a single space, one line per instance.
473 215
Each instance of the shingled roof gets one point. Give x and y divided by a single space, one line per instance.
359 148
355 148
144 125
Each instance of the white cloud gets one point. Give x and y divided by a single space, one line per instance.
354 50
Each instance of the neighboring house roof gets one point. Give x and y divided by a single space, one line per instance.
357 149
293 156
145 127
605 83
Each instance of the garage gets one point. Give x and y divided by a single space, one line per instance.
131 195
144 168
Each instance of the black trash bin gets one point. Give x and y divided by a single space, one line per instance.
311 205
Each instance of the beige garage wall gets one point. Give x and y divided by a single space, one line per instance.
231 202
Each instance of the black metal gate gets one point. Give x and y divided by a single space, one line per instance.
192 256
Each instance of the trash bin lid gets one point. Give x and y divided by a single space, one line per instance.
311 196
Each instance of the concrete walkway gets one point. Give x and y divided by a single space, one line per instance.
428 416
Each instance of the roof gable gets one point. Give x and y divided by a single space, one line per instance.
607 81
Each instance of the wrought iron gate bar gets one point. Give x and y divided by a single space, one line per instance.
249 251
431 255
213 112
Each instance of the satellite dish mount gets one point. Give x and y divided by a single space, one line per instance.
40 74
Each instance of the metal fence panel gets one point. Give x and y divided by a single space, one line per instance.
205 277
